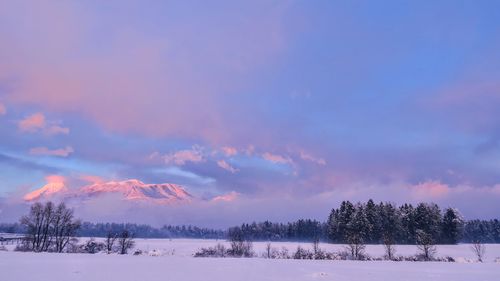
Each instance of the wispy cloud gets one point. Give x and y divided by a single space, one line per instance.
229 151
226 166
228 197
308 157
430 190
38 123
181 157
32 123
276 158
61 152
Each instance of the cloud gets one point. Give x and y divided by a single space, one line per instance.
91 179
183 156
67 73
32 123
61 152
226 166
55 129
430 190
56 185
3 109
228 197
308 157
275 158
38 123
229 151
55 179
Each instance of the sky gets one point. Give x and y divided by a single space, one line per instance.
282 108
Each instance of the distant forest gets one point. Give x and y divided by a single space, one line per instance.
367 222
88 229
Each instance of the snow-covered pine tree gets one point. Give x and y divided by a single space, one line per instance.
451 227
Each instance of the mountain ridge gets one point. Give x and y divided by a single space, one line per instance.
129 190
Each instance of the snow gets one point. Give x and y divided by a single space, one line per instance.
48 190
172 260
186 247
133 190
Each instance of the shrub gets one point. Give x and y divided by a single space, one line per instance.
302 254
219 251
92 247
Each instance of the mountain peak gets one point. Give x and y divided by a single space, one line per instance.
49 190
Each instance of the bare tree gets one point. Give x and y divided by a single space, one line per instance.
426 244
33 223
49 216
316 248
356 246
49 227
390 249
64 227
268 250
479 250
125 242
318 253
110 241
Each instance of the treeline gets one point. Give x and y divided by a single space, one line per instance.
88 229
378 223
485 231
350 222
388 223
300 230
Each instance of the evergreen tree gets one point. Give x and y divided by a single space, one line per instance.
408 227
428 219
390 223
358 224
372 214
332 226
345 215
452 226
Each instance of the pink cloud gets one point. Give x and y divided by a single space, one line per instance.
430 189
64 75
226 166
275 158
183 156
228 197
38 123
3 109
308 157
91 179
229 151
56 129
32 123
55 179
61 152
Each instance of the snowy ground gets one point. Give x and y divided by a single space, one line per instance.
187 247
177 264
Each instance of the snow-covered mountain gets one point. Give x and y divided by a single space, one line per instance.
49 190
129 190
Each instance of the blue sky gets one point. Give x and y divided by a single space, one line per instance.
307 100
